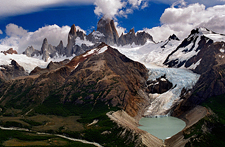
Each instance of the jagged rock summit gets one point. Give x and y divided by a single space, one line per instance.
106 32
108 29
79 42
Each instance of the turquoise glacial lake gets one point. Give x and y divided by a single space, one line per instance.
162 128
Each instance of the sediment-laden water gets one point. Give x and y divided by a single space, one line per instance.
163 127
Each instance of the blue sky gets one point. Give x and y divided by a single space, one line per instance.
84 16
28 22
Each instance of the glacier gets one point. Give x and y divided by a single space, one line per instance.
181 79
152 56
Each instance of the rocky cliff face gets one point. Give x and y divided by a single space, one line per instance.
106 32
71 41
30 52
108 29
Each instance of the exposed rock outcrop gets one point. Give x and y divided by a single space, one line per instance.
47 50
9 51
106 32
172 37
72 47
30 52
12 71
51 66
160 85
108 29
71 41
60 48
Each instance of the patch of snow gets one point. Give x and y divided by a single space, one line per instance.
97 34
89 52
149 54
193 66
102 50
222 50
214 36
28 63
163 79
185 53
59 58
76 66
79 42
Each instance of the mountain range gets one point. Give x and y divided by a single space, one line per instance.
126 77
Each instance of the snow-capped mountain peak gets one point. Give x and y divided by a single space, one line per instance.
202 31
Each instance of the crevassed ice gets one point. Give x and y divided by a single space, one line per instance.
181 78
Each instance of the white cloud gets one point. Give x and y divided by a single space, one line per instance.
113 8
119 29
208 3
14 30
16 7
145 4
109 8
179 3
135 3
182 20
20 39
1 32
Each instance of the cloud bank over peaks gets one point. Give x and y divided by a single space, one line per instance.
182 20
113 8
19 38
14 30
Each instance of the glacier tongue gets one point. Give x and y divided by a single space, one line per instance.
181 78
153 56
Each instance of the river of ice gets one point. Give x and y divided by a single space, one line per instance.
153 56
181 78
